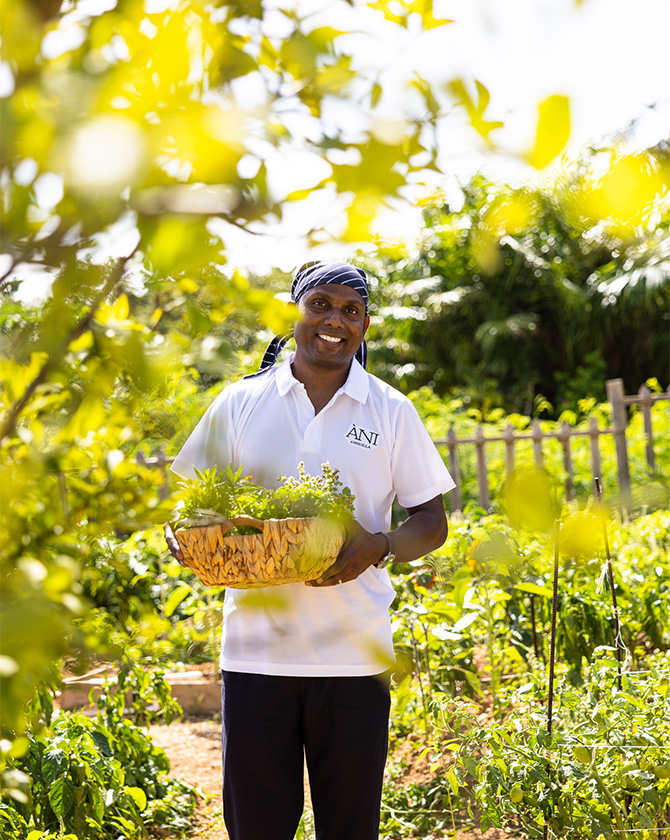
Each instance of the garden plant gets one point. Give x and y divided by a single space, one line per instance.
480 682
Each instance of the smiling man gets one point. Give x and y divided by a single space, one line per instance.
305 676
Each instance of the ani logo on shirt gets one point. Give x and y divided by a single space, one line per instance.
362 437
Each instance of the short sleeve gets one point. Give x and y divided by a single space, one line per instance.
210 444
419 473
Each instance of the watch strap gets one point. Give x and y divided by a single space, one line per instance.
389 557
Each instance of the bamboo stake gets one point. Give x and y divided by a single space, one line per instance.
417 663
552 653
618 644
533 626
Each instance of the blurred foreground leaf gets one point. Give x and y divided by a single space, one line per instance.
553 130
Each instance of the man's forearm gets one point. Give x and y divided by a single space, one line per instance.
424 530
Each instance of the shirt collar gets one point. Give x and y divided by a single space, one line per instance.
356 386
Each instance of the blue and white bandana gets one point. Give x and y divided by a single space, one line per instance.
313 274
308 276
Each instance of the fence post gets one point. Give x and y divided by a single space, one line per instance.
646 403
615 395
482 473
564 437
537 443
161 463
594 437
455 497
508 435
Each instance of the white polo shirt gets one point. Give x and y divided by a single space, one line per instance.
372 434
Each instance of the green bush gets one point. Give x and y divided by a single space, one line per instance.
99 778
486 576
415 810
143 602
477 691
603 772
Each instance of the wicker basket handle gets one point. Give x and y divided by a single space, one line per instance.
247 521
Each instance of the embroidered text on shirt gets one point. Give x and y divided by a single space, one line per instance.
361 437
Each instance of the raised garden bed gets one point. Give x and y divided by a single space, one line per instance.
197 691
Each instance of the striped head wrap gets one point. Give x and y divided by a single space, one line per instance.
308 276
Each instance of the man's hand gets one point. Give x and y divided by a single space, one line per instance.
424 530
172 543
361 550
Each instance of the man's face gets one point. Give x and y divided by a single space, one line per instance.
332 325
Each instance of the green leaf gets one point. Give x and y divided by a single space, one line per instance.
553 130
323 37
138 796
425 9
175 599
466 621
534 589
199 320
453 782
19 747
95 797
301 195
110 797
126 825
426 91
475 110
101 742
51 764
61 796
375 94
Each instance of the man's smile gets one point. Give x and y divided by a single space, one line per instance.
331 327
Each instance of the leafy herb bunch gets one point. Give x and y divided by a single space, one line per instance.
229 494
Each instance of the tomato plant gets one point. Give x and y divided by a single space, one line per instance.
602 771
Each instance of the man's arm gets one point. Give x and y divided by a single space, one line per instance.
424 530
172 544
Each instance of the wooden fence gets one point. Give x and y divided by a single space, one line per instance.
511 437
565 433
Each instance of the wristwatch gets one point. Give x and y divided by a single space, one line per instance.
389 557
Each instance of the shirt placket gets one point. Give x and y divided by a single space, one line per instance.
313 428
309 435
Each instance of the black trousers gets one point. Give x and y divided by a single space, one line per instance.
338 724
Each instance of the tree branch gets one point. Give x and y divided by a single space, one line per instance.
17 261
9 424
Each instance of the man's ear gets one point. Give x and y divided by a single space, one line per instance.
367 324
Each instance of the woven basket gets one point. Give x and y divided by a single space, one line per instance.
284 551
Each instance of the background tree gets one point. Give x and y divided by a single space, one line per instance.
521 291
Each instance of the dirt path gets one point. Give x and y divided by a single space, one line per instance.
194 749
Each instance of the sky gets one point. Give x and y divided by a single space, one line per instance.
610 57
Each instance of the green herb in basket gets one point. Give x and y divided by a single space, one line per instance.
215 495
311 495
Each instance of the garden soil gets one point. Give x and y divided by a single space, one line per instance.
194 748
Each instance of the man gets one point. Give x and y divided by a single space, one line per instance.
305 673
